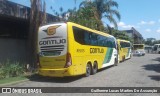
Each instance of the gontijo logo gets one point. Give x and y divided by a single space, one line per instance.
52 29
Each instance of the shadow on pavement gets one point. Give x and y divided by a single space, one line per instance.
105 68
157 59
155 77
152 67
39 78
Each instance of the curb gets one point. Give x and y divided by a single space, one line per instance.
12 83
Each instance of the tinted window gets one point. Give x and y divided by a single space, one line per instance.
125 44
88 38
79 35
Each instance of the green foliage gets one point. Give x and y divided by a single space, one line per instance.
118 34
10 69
122 35
151 41
90 13
12 79
106 9
84 16
156 42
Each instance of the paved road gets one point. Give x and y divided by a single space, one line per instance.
136 72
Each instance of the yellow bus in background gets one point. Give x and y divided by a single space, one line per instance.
138 46
124 49
138 49
69 49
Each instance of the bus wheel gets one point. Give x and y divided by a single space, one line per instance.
115 62
130 56
88 70
95 68
123 58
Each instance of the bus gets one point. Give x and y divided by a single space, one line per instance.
139 49
69 49
156 48
124 49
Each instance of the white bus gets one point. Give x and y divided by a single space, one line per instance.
157 48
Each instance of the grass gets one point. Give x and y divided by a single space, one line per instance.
12 79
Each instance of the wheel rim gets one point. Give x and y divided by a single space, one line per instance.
115 62
88 69
95 67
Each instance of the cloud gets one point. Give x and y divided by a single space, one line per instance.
159 20
111 25
123 25
158 30
146 23
142 23
148 30
151 22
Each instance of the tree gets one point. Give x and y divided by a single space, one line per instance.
103 8
37 17
84 16
120 35
61 14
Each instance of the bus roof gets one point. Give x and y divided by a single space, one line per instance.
123 40
138 44
91 30
52 23
156 44
80 26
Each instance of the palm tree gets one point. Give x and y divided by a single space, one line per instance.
83 16
103 9
61 14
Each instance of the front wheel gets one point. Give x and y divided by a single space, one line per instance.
88 70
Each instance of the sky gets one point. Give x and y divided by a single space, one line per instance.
143 15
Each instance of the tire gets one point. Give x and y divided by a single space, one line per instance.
115 62
94 68
88 70
130 56
123 58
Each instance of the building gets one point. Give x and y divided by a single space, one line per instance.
151 39
14 25
135 35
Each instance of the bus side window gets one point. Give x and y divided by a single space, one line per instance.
155 48
93 38
87 38
79 35
114 45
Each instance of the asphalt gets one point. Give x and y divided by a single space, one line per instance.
143 71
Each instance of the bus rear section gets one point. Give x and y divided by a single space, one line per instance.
156 48
54 60
124 49
138 49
